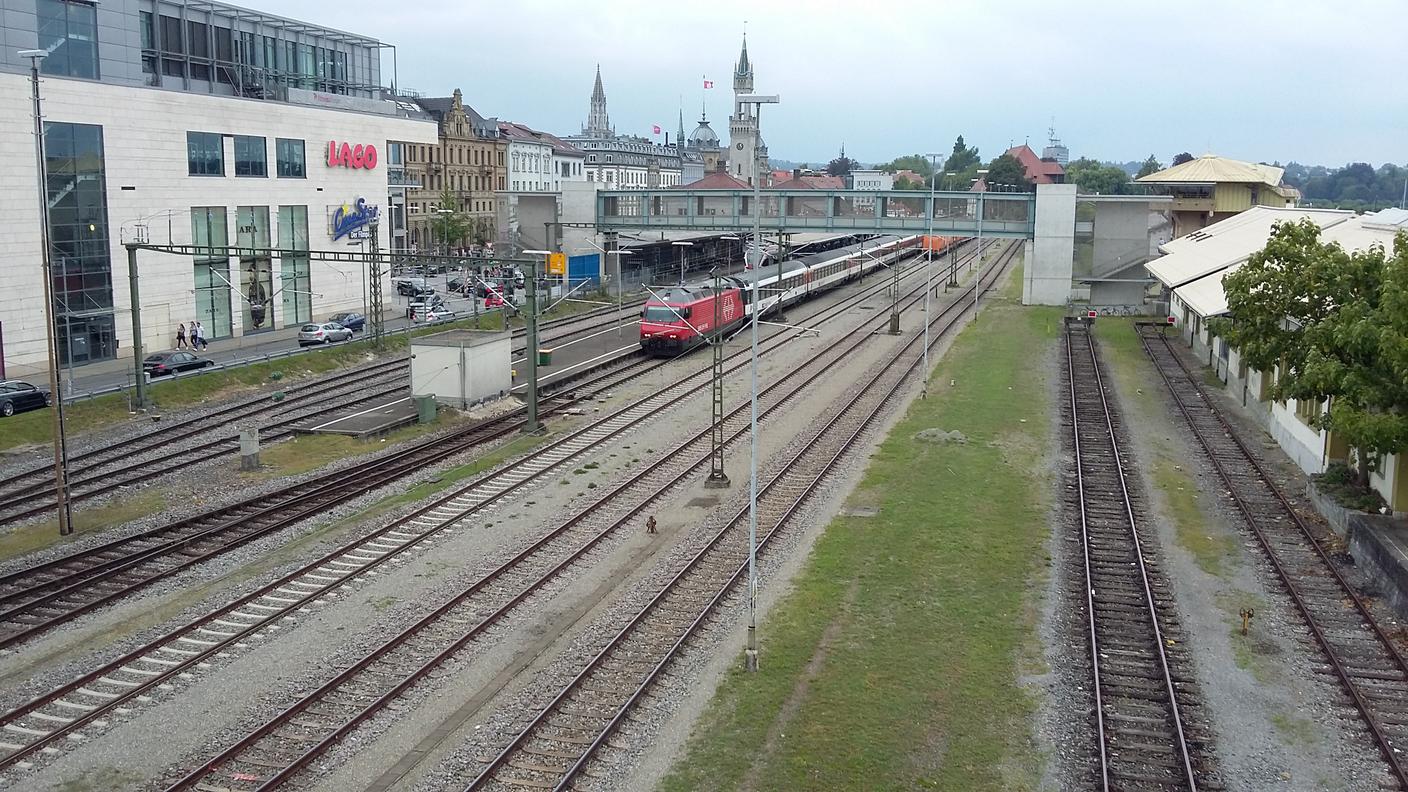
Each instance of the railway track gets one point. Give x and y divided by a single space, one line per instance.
1364 661
42 596
37 598
37 481
277 750
29 493
46 721
558 742
1143 740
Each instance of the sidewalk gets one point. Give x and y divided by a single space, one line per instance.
106 376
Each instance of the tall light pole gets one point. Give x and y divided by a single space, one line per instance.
617 253
928 269
978 279
445 225
51 343
751 653
682 245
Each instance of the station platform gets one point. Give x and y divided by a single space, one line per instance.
1379 544
365 421
580 355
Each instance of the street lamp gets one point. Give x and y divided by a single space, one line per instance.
751 653
978 279
618 253
682 245
928 269
51 343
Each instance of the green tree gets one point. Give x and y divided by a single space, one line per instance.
449 228
906 183
1150 165
1179 159
918 163
1335 325
1006 170
1092 177
962 159
842 165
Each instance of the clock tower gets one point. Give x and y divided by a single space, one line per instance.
743 124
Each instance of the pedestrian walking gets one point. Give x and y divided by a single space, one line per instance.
199 337
650 525
181 336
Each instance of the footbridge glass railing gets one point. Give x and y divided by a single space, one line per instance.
953 213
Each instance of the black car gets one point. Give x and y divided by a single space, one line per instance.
352 321
16 396
459 285
164 363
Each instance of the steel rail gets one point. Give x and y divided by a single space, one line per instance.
208 635
867 389
1165 673
795 381
1288 581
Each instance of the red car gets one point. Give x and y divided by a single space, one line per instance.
493 301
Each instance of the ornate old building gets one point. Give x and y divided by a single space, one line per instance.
469 166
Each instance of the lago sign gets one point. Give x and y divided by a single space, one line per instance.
348 155
352 220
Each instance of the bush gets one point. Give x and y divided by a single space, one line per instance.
1339 484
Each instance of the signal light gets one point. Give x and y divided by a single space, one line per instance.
1090 315
1173 320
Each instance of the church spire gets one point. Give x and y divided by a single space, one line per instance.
745 69
598 123
680 139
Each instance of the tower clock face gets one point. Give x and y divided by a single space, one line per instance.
739 146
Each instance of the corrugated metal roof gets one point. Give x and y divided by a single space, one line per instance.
1225 243
1211 168
1206 296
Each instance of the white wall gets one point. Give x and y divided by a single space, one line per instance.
144 142
1047 280
469 368
529 166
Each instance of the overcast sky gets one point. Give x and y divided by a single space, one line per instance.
1316 82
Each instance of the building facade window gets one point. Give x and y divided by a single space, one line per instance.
69 31
78 224
256 270
251 156
205 154
295 280
212 270
289 155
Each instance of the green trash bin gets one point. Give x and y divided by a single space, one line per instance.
544 357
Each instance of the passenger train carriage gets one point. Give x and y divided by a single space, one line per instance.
682 318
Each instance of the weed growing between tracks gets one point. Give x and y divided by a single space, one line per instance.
1213 548
44 533
894 661
303 453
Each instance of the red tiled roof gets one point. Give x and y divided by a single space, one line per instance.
812 183
718 180
1038 170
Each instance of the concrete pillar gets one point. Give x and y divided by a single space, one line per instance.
249 449
1048 270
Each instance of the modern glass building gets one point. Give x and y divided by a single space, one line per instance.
187 123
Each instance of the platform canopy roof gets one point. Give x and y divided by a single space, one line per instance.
1205 296
1228 242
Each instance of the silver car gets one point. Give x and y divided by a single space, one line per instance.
324 333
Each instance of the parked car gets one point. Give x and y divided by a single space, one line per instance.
482 289
164 364
17 396
458 285
324 333
352 321
411 286
493 301
433 313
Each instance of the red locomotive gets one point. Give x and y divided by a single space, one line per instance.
683 317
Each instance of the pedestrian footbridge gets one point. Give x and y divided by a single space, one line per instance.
888 212
1073 241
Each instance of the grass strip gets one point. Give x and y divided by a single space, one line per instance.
894 661
36 426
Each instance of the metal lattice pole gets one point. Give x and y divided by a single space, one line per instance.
376 315
718 479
